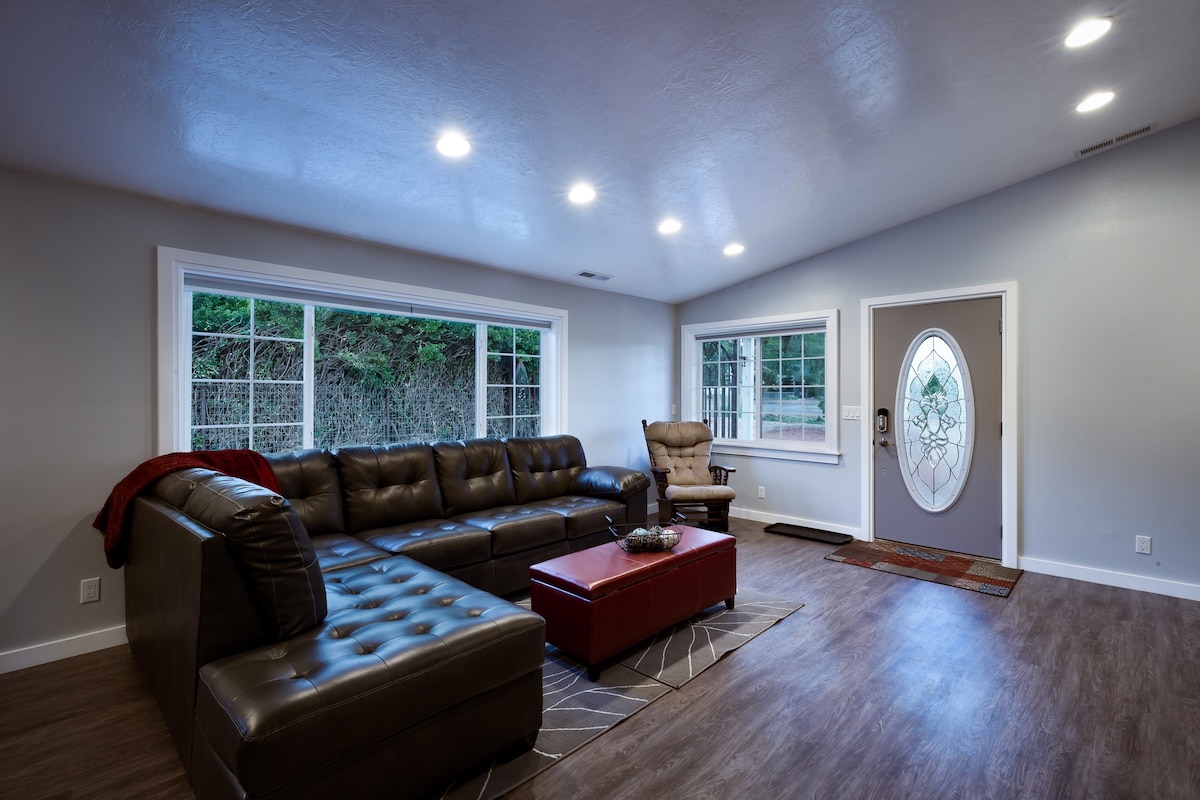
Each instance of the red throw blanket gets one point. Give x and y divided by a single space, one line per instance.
113 519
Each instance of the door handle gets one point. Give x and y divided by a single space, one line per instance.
883 442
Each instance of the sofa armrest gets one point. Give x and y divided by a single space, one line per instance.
619 482
185 605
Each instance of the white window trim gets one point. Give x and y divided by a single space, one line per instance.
690 336
172 426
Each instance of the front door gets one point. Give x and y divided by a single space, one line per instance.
936 415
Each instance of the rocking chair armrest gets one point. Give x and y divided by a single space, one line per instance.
660 479
720 475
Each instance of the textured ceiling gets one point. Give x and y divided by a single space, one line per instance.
792 127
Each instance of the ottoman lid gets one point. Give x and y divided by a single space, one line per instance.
605 569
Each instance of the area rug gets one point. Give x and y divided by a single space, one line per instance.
679 654
577 710
951 569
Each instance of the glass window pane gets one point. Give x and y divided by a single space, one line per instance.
220 357
278 361
278 402
500 369
770 347
216 313
814 344
529 341
526 426
527 401
528 371
284 320
499 401
793 346
220 438
220 403
814 371
500 340
278 438
500 427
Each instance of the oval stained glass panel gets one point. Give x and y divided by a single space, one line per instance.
935 431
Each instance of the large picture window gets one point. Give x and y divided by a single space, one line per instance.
765 385
273 359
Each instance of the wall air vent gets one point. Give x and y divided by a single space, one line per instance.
1116 140
595 276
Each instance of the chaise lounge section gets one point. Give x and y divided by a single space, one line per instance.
348 633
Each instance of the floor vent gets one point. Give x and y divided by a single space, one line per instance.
595 276
1116 140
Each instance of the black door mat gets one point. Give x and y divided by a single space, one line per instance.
827 537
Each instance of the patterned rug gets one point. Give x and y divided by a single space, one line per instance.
577 710
951 569
681 653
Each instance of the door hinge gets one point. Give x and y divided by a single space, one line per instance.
1002 429
1001 327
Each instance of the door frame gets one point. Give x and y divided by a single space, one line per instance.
1009 488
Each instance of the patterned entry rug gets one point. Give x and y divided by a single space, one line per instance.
577 710
951 569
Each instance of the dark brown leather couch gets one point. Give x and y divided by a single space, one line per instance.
347 637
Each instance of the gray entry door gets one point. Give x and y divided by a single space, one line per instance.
908 510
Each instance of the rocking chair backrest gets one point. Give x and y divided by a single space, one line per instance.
685 448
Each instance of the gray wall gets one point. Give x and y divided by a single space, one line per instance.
77 387
1105 250
1107 255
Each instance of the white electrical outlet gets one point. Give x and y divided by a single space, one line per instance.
1142 545
89 590
762 493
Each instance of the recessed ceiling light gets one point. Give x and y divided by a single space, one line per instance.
734 249
453 145
1094 101
1088 31
581 193
669 225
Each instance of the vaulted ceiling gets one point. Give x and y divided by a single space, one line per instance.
788 127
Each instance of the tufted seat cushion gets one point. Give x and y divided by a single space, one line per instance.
440 543
401 643
337 550
584 515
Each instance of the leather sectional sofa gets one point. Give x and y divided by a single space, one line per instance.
345 635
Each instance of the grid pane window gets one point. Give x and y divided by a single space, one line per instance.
275 376
513 381
765 387
247 372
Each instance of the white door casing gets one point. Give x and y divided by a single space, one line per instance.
1008 294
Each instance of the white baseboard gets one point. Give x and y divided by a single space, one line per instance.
44 653
832 527
1106 577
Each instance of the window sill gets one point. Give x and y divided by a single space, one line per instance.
779 453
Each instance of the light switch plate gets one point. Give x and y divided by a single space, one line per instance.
851 412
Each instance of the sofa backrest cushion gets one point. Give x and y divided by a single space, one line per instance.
473 475
544 467
388 485
268 541
309 481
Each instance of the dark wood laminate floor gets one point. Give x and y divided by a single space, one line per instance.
880 687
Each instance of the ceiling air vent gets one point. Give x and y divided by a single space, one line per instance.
1116 140
595 276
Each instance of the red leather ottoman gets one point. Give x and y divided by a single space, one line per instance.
600 601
